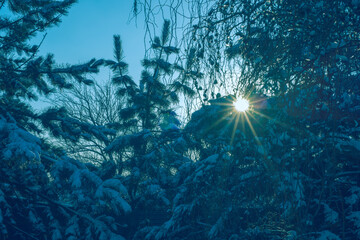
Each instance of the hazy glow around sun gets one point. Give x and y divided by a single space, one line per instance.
241 104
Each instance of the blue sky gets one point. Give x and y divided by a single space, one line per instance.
87 32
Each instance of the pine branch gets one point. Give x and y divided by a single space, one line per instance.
2 4
34 53
53 202
22 231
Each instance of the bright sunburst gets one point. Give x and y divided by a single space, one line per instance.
241 104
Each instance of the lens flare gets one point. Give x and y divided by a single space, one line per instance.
241 104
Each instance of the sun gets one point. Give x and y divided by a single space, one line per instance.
241 104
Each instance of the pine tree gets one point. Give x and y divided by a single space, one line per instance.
305 56
151 146
43 193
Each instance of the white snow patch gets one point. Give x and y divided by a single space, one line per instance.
21 144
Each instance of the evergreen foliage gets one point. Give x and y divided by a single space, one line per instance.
43 193
115 161
302 146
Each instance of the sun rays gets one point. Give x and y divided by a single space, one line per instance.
242 114
241 104
233 117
